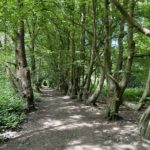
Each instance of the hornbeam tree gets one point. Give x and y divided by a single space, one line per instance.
22 71
83 95
116 84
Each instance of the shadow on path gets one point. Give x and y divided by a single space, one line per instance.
61 123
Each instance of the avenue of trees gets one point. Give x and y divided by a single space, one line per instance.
84 48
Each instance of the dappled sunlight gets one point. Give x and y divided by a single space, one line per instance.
48 99
124 146
87 147
97 132
68 125
67 103
129 129
65 124
122 132
52 123
68 108
74 74
65 97
97 113
74 142
89 109
115 128
10 135
52 99
146 145
84 106
71 122
74 126
76 117
105 130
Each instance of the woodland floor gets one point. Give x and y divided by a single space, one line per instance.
61 123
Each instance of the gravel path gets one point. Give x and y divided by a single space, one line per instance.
61 123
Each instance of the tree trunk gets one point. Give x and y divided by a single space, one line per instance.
95 95
145 93
74 74
112 108
144 124
142 99
114 100
82 41
32 53
33 32
116 88
22 72
82 51
85 91
72 89
120 45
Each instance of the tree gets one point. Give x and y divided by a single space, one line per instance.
144 124
22 72
86 86
115 85
81 47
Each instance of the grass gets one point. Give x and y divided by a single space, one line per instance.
133 94
130 94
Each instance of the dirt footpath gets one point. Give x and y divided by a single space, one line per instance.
61 123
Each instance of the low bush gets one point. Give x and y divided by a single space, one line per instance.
130 94
36 96
12 108
133 94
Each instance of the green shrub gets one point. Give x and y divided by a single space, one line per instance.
12 108
133 94
130 94
36 96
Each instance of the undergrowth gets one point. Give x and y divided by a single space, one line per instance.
130 94
133 94
12 108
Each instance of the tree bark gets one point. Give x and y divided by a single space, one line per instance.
95 95
82 40
22 72
120 45
33 32
112 90
32 47
145 93
74 74
85 90
114 87
131 49
144 124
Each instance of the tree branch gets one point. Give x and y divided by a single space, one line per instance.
146 55
11 63
131 20
114 80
